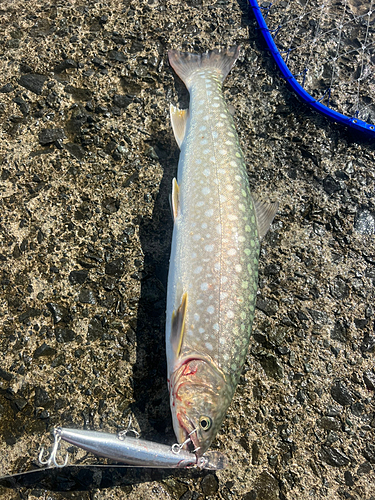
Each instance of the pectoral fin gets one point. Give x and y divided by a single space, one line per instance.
179 119
265 213
178 326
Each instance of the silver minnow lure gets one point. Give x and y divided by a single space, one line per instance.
213 273
133 451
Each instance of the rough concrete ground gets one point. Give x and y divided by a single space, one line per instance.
87 159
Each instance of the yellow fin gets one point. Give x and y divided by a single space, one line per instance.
178 326
179 119
174 200
265 213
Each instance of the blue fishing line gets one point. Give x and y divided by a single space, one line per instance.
353 122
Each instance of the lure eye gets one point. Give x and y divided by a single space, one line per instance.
205 423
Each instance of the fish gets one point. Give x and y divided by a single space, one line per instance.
213 269
132 451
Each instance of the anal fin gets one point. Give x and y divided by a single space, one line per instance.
179 118
178 326
265 213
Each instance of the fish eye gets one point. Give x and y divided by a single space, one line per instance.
205 423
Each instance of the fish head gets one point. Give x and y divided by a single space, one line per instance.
198 404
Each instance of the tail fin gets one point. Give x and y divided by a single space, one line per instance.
186 64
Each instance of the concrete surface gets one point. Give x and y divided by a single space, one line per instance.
87 157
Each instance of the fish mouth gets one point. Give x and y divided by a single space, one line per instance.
188 434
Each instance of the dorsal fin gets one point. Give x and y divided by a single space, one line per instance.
178 326
179 118
265 213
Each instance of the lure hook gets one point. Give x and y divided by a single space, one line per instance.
176 448
52 459
122 434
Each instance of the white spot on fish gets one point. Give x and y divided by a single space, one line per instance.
222 340
223 295
204 225
223 151
220 124
198 270
199 302
221 170
206 152
222 198
229 143
198 161
190 333
215 134
215 326
203 142
229 187
232 163
215 104
209 346
201 101
206 190
209 248
232 217
230 134
238 268
209 212
196 237
232 251
223 115
204 286
230 314
217 266
210 309
200 203
196 317
202 129
224 279
201 330
218 229
209 92
206 172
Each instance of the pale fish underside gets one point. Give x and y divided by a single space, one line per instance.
213 271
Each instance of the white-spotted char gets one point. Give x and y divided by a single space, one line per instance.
213 273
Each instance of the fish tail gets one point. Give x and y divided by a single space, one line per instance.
186 64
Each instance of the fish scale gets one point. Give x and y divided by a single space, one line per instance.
213 270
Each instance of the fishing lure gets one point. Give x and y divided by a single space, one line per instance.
132 451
